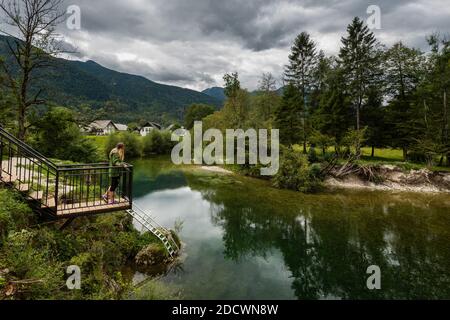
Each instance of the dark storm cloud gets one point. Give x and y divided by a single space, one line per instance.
193 42
257 25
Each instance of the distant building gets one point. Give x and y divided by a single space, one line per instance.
149 127
121 127
181 131
105 127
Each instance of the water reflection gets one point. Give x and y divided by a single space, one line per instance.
245 240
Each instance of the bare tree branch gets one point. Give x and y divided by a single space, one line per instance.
35 46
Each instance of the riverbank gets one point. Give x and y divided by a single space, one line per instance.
390 178
216 169
381 178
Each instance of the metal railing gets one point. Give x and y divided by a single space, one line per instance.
82 186
61 189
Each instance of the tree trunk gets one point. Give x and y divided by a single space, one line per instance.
22 130
358 126
305 147
445 131
405 154
441 161
373 151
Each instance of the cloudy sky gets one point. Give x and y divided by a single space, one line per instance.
192 43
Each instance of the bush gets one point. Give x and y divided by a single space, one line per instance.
158 142
133 145
58 136
296 174
312 155
417 157
14 214
44 275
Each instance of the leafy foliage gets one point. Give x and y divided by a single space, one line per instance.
296 173
288 117
196 112
157 142
14 214
58 136
133 145
36 259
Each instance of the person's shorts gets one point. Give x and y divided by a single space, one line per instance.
114 183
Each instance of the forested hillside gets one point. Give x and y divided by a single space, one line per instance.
124 97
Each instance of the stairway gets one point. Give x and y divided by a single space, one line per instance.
149 223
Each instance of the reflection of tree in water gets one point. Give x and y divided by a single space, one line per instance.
328 242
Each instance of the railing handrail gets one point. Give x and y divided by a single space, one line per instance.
88 167
93 165
28 149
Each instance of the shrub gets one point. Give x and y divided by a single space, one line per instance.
417 157
58 136
312 155
157 142
14 214
44 275
296 174
133 145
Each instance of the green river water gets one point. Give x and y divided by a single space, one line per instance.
246 240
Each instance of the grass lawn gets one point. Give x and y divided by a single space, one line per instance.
383 154
395 156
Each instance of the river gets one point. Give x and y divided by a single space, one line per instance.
244 239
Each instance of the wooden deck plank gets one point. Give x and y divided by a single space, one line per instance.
91 207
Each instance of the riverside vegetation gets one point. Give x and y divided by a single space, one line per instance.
34 257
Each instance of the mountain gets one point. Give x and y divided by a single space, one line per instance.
216 92
74 83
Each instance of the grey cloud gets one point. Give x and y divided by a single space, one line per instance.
193 42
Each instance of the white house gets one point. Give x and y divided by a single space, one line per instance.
149 127
105 127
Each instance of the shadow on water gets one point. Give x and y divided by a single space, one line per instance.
246 240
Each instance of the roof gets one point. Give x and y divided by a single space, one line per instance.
101 124
121 127
152 125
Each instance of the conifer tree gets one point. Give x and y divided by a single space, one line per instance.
301 73
288 117
359 59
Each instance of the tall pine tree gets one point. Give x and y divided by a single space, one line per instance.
404 71
359 58
301 73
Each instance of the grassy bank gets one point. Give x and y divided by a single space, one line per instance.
34 257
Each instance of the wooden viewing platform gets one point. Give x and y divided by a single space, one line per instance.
63 191
70 191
